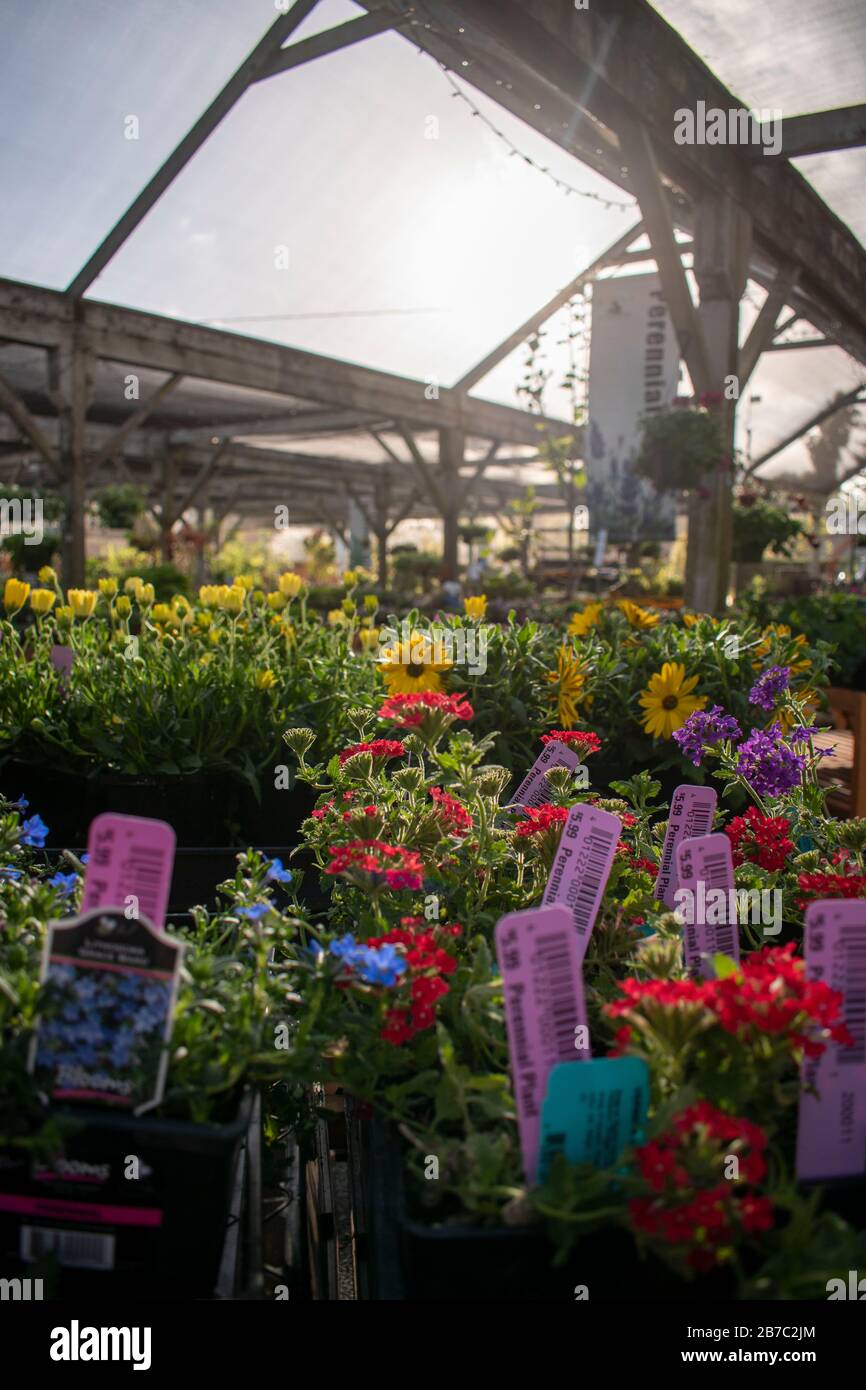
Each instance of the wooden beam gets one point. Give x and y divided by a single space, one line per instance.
763 329
852 397
33 314
136 418
609 257
361 504
798 343
15 408
204 476
304 422
646 180
841 129
206 124
424 471
786 324
71 368
402 514
470 483
330 41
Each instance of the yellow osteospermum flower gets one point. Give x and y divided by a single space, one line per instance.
15 595
133 585
203 620
146 595
350 578
584 620
371 602
82 601
808 700
476 607
668 700
781 631
570 681
368 638
414 665
42 600
290 584
123 607
162 613
265 679
243 581
637 616
214 636
47 575
336 617
233 599
692 619
108 587
277 601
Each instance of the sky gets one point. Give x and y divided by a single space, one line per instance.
353 206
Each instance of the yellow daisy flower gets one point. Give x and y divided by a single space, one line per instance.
765 646
368 638
277 601
15 595
108 587
584 620
47 575
668 700
692 619
265 680
809 701
42 600
637 616
570 681
82 601
414 665
290 584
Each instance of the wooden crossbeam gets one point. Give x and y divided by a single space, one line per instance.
763 330
15 408
136 418
331 41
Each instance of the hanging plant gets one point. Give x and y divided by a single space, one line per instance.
759 524
119 505
679 447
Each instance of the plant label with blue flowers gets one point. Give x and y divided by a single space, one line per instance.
109 986
706 902
129 866
691 815
831 1138
581 866
592 1113
533 789
539 957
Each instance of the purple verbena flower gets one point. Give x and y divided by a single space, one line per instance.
768 764
705 728
769 686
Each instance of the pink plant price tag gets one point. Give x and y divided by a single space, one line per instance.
545 1014
831 1137
62 659
706 900
129 857
532 790
582 866
691 814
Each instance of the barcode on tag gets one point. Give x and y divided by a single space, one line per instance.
582 864
691 815
716 871
73 1249
533 789
853 944
554 961
142 876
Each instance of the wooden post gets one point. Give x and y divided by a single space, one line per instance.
381 520
722 240
166 510
72 376
451 445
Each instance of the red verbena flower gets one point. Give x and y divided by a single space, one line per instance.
539 819
410 711
452 813
379 749
582 741
425 980
824 885
760 839
372 863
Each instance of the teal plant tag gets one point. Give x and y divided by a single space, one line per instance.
592 1112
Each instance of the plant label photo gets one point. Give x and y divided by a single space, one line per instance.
582 865
706 901
129 866
109 986
533 789
691 815
592 1113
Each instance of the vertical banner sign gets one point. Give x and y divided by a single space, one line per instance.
691 815
545 1014
633 372
831 1137
532 790
129 857
581 866
707 901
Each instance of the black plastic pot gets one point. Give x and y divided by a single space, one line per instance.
401 1258
88 1228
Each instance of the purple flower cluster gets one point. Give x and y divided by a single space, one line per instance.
802 734
768 764
769 686
704 728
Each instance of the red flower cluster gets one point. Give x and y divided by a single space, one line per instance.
374 862
583 743
428 965
540 819
328 806
821 885
453 814
768 994
408 711
760 839
380 748
702 1219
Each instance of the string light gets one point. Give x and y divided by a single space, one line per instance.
515 152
